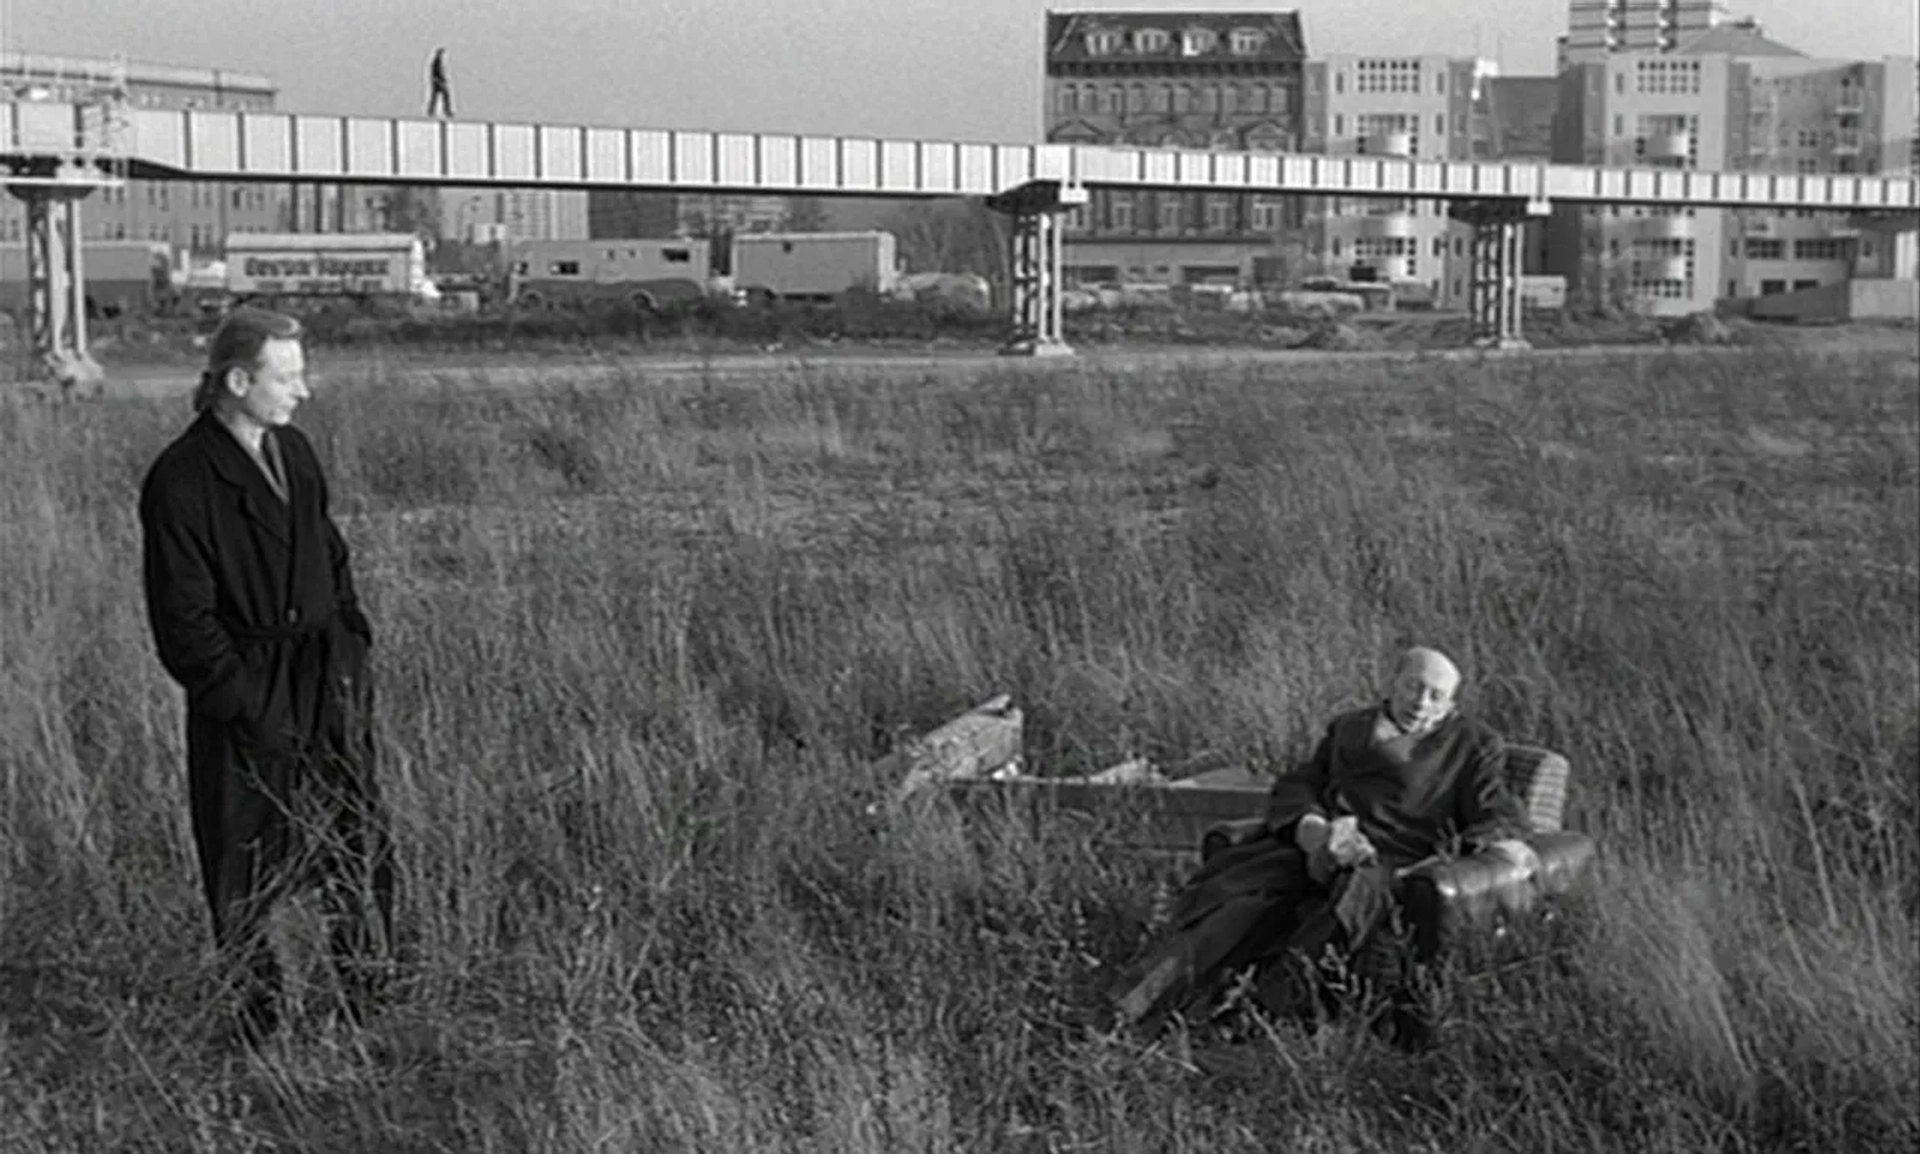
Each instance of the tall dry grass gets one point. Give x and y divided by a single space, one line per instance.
638 647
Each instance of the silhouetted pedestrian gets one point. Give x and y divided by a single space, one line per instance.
439 94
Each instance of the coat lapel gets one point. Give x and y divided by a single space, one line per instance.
258 502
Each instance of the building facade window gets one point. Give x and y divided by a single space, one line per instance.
1248 41
1149 40
1820 248
1375 76
1219 214
1664 77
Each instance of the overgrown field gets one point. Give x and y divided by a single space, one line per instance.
638 649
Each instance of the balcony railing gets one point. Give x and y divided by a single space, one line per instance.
1669 146
1665 227
1392 224
1388 144
1661 268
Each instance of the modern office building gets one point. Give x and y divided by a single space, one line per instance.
1599 28
1202 80
1730 100
476 214
1413 106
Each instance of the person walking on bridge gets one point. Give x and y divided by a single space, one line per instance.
250 597
439 94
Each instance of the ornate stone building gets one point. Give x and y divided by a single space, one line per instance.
1206 80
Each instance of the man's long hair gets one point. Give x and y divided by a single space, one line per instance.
236 345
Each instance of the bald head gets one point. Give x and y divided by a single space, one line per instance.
1423 689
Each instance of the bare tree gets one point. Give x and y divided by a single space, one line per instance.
959 235
414 208
805 214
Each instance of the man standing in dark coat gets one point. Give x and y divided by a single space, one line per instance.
1387 787
250 597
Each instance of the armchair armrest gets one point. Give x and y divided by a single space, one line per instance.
1447 897
1227 834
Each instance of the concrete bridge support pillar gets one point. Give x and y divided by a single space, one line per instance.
1894 240
57 286
1499 229
1035 265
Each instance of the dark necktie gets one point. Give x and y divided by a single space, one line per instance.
270 456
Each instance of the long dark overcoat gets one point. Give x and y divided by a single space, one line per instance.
253 612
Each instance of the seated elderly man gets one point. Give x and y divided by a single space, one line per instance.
1387 787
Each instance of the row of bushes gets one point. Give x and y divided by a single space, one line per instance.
867 318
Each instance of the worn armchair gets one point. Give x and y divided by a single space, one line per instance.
1444 899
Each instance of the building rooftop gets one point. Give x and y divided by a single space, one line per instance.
1281 36
45 66
1740 39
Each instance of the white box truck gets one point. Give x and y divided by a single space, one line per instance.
813 265
341 265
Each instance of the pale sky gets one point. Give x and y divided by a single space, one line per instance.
962 69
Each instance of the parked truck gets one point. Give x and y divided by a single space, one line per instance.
123 276
361 267
816 266
655 273
647 273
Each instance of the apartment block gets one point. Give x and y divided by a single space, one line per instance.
1730 100
1200 80
472 214
1599 28
1416 106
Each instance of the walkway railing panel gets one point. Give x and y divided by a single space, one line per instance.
320 142
606 156
268 144
469 153
283 146
369 146
417 149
